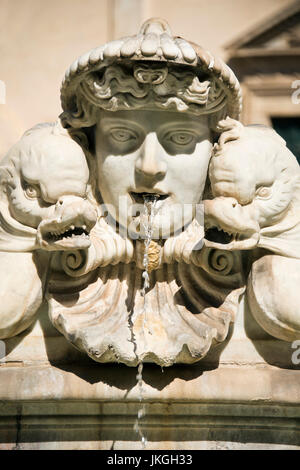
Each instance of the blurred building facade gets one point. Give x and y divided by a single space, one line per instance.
266 60
39 40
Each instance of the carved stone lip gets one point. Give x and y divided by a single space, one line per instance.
139 196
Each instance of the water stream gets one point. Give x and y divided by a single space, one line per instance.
149 212
147 221
142 410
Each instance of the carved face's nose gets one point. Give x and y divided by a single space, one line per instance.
150 163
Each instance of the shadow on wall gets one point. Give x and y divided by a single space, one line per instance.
273 351
62 355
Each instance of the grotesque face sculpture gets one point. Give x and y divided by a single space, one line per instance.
157 154
147 106
144 108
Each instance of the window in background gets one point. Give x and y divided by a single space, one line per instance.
289 129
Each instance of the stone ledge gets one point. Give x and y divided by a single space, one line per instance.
46 407
177 384
156 427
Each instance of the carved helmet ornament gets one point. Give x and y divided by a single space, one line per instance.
155 66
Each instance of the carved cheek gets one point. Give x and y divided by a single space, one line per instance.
244 190
222 180
267 213
225 188
24 211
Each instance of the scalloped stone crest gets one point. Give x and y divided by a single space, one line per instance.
185 311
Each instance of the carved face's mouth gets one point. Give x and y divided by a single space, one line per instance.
139 197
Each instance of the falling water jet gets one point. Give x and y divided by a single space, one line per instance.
149 206
142 410
149 209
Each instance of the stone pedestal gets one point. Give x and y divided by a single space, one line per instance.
244 395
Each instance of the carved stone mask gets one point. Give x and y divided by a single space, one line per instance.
156 153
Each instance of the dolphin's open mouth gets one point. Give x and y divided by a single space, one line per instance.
71 232
218 235
68 226
229 225
65 236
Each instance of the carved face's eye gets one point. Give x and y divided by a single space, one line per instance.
32 191
122 135
263 192
181 138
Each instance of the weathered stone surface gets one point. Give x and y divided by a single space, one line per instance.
248 408
154 230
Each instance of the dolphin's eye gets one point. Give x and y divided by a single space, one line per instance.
32 191
263 192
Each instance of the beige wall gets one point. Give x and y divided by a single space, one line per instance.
40 39
38 42
213 23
